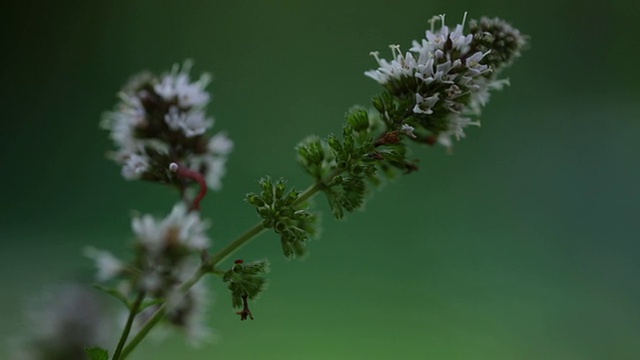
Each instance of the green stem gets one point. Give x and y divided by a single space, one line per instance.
310 192
157 316
236 244
127 328
160 313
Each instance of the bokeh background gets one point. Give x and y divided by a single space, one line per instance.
523 244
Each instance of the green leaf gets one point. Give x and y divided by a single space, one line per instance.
245 280
150 302
97 353
115 293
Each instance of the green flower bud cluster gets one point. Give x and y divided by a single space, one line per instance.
245 282
502 42
344 168
285 213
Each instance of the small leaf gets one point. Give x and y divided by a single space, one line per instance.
97 353
115 293
148 303
245 281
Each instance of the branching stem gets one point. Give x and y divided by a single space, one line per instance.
159 314
133 311
210 266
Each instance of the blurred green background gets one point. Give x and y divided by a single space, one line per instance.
523 244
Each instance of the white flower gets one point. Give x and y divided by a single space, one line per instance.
408 130
108 265
424 105
433 59
444 72
455 127
473 62
180 228
145 122
438 39
220 144
481 97
129 114
400 66
178 85
133 164
174 118
192 123
216 169
214 160
459 41
195 123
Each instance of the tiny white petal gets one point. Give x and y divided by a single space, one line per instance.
133 165
220 144
108 265
180 227
408 129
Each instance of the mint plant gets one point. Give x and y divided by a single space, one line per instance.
162 134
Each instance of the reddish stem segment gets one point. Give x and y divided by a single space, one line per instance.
245 313
392 137
185 172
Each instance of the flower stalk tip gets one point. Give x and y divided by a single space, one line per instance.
441 84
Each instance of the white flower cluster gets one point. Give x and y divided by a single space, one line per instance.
445 78
163 120
166 246
180 229
163 244
166 249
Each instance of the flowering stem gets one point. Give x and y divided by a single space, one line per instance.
127 328
210 265
160 313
